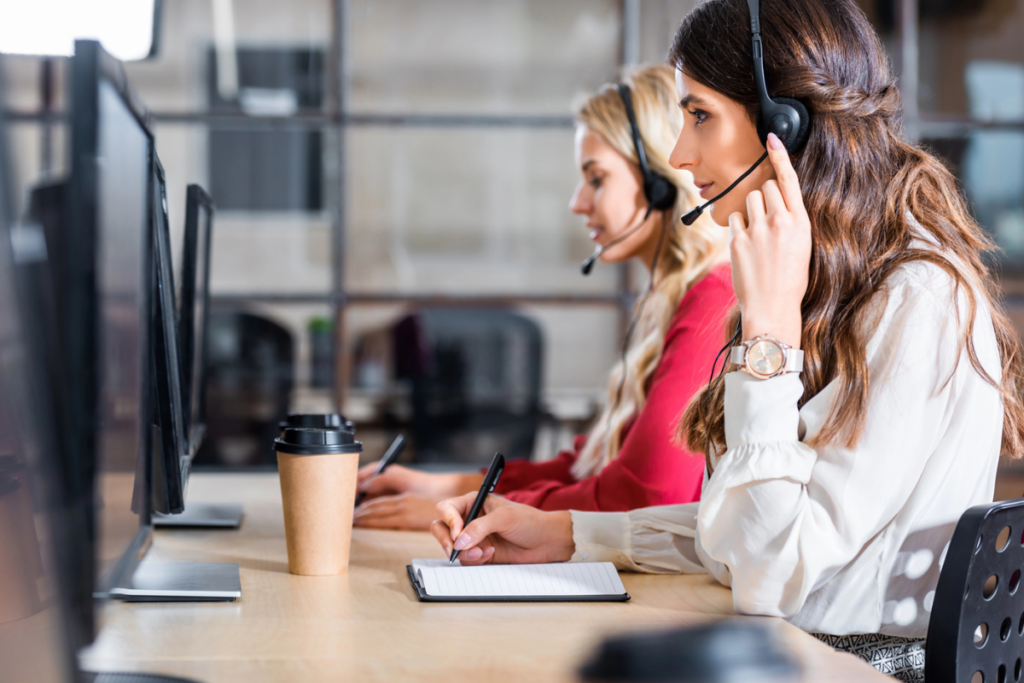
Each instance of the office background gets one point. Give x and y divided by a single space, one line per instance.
374 158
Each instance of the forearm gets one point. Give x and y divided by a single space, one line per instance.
657 540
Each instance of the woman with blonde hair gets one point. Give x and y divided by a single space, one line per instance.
630 459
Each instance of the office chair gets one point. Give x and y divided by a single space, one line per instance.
476 381
249 383
977 621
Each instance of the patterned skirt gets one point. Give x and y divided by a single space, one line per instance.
901 658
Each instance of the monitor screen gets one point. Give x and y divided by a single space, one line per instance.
122 223
195 308
171 467
34 640
108 255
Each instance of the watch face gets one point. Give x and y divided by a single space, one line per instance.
765 357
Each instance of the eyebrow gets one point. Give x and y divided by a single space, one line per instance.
691 99
587 164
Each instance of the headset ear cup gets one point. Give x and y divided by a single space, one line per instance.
796 143
661 192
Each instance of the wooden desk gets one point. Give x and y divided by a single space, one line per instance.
368 626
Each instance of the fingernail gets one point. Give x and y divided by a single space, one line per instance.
462 542
474 553
448 550
774 142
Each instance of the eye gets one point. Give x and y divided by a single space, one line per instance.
595 181
698 114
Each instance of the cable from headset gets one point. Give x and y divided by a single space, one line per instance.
636 318
733 340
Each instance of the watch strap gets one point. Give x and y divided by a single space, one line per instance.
738 354
794 361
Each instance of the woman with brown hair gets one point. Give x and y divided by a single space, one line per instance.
629 459
874 380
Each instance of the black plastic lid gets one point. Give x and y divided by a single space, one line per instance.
319 421
308 441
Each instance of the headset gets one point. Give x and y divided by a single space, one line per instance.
784 116
660 192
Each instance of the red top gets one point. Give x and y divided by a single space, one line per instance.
651 469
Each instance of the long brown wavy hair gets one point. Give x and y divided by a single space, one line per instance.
868 193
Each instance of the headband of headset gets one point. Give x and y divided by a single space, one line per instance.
784 116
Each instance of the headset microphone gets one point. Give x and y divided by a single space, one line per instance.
588 265
693 214
784 116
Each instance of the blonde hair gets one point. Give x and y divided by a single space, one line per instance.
686 256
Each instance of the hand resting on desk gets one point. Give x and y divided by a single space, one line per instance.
404 511
504 533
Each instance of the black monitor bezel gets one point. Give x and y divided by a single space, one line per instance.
197 201
91 65
171 461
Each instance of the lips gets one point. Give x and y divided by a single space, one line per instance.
703 188
595 233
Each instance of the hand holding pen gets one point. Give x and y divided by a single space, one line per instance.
503 532
390 457
486 488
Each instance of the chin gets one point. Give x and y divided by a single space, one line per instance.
613 256
720 214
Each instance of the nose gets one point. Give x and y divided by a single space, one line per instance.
684 154
581 202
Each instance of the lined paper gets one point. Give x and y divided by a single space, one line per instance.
439 579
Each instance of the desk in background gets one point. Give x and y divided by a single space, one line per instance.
368 625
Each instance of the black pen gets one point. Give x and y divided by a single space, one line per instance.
394 450
490 481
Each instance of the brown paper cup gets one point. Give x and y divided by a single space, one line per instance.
318 492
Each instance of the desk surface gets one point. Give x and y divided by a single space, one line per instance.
368 625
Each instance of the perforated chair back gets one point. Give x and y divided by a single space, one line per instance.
977 621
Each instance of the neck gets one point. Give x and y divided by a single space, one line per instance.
649 250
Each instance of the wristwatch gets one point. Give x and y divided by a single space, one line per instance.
765 357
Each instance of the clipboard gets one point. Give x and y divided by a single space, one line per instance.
423 597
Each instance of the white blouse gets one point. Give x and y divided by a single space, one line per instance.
835 540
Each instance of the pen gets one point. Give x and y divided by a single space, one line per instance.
394 450
490 481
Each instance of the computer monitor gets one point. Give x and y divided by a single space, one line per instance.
106 253
110 346
171 450
35 641
195 307
192 326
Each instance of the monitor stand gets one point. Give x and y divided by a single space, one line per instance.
203 516
181 582
128 677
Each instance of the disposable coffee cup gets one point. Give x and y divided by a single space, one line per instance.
318 488
318 421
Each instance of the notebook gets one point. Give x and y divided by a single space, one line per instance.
438 581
